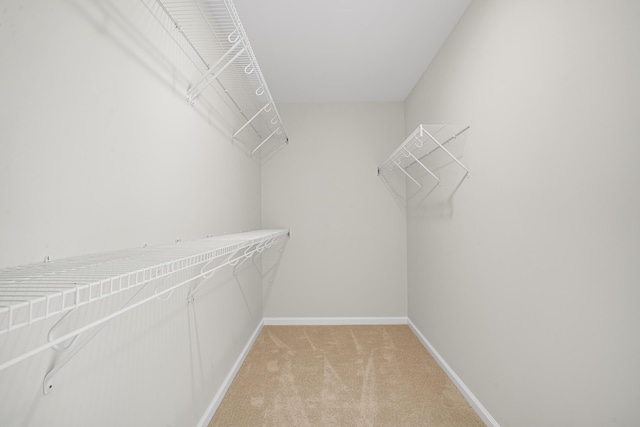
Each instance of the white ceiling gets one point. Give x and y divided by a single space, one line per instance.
346 50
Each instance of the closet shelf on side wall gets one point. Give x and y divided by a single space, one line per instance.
213 31
34 293
425 141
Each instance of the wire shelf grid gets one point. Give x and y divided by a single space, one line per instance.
422 143
215 33
32 293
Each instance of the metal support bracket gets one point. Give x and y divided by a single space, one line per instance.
278 130
194 91
266 108
74 346
441 146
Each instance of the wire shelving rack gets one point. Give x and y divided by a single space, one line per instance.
33 293
425 141
213 31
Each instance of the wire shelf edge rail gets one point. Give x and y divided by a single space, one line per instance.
213 30
27 290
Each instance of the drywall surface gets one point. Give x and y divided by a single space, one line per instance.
347 252
100 151
527 281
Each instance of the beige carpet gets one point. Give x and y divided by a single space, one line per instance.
341 376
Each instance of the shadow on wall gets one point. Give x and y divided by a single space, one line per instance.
270 263
144 33
436 202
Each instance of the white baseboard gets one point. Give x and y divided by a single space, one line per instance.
466 393
217 399
320 321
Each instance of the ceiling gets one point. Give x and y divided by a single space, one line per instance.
346 50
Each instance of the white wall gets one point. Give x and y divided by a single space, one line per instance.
99 150
347 253
529 288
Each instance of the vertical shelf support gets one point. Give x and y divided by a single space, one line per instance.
423 166
193 92
401 169
441 146
265 140
266 108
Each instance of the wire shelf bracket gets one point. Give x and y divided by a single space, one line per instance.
194 91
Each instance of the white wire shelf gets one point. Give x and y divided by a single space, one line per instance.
425 141
212 29
32 293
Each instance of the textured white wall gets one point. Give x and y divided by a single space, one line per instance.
99 150
529 287
347 254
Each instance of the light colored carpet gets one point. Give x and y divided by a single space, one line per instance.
376 375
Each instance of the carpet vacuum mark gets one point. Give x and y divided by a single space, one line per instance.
364 375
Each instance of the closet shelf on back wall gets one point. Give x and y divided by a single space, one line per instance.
427 141
33 293
211 30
